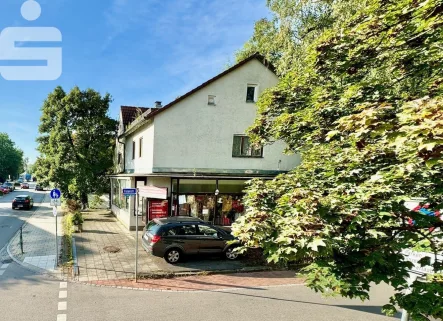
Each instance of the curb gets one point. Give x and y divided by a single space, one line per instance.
57 274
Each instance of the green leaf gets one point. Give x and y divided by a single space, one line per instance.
316 243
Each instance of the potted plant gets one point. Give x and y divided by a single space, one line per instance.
77 220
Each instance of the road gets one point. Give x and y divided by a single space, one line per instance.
25 295
11 220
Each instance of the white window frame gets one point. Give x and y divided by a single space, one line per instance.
255 92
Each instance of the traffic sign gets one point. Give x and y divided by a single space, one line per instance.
56 202
55 193
129 191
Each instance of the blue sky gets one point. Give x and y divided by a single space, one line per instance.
139 51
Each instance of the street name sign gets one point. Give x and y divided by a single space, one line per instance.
55 193
414 257
129 191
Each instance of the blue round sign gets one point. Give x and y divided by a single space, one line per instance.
55 193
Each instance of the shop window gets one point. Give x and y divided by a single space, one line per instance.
211 100
251 93
197 186
140 147
243 148
133 149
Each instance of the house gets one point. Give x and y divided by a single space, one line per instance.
191 156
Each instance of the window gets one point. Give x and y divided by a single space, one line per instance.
251 93
243 148
182 230
133 149
207 231
211 100
140 147
119 158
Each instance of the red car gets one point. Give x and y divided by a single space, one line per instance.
4 190
24 186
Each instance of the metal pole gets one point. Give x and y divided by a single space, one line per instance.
405 314
136 237
21 238
56 243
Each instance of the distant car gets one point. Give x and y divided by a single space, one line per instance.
10 186
24 186
4 190
23 201
172 238
20 180
39 187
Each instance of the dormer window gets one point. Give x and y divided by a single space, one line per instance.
251 93
211 100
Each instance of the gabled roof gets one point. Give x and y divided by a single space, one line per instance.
257 56
130 113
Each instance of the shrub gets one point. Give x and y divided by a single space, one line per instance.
77 218
73 205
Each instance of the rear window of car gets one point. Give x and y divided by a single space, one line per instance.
153 228
20 198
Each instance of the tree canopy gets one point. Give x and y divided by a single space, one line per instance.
362 103
11 158
76 142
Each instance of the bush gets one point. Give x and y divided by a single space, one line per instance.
73 206
77 218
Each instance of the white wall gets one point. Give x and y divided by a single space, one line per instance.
193 134
142 164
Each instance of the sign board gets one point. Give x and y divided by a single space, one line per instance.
129 191
55 193
153 192
54 211
414 257
158 209
56 202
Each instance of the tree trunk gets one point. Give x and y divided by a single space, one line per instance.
84 201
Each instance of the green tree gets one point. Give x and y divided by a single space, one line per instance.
11 158
76 142
364 108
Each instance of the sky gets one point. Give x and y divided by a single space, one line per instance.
139 51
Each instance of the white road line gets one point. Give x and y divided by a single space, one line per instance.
63 285
62 306
4 266
61 317
1 272
63 294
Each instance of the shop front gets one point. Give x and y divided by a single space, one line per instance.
217 201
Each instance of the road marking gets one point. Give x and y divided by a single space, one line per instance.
1 272
63 294
61 317
63 285
62 306
5 266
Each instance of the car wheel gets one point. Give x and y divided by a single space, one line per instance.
231 254
173 256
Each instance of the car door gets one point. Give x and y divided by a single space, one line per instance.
184 236
211 241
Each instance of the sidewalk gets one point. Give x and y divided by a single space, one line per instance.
38 240
106 252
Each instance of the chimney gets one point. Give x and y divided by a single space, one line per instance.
158 104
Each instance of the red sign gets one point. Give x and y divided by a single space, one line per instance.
158 209
153 192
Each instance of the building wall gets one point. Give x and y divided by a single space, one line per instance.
142 165
195 135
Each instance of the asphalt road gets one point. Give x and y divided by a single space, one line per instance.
11 220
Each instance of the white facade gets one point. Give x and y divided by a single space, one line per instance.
193 136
